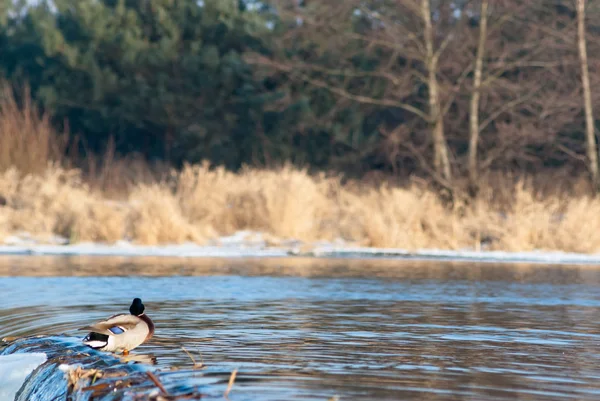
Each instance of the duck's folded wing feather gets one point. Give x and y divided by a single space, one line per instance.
115 325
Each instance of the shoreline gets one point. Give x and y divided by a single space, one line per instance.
238 246
289 208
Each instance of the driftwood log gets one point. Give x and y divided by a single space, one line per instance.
74 372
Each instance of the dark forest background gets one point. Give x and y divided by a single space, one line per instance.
440 89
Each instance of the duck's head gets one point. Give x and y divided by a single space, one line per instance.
137 307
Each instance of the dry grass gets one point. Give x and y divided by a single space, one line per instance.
559 222
27 140
286 202
155 217
126 199
388 216
57 202
116 177
200 202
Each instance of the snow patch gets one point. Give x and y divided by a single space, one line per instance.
545 257
14 369
251 244
128 249
63 367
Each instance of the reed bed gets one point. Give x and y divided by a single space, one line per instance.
201 202
27 140
118 199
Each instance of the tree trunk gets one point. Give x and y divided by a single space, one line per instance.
587 96
476 94
440 147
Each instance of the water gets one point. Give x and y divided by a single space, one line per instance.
306 329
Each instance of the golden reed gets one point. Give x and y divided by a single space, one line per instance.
40 196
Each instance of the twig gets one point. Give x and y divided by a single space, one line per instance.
571 153
256 59
231 380
157 382
96 389
196 365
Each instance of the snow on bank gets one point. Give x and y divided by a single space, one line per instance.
245 244
543 257
14 369
127 249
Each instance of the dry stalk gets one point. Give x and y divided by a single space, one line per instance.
157 382
75 375
231 381
200 365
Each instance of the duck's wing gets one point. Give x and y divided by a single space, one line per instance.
114 325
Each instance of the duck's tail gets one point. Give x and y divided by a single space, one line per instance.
96 340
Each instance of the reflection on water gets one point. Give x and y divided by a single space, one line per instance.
311 329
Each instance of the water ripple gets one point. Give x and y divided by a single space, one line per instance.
362 339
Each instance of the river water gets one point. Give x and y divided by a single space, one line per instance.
310 329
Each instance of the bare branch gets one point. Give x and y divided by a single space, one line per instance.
257 59
506 107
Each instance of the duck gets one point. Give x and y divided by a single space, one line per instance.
122 332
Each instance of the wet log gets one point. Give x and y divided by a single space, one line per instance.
75 372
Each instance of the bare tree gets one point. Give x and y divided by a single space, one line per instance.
428 71
516 61
587 96
408 45
476 95
440 147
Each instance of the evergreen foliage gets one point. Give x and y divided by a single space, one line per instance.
178 81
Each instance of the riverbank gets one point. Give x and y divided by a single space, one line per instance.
108 200
254 245
287 209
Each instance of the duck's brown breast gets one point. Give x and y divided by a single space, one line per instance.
150 324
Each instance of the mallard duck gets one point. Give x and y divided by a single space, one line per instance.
121 332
